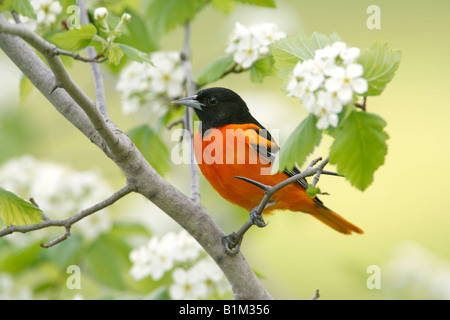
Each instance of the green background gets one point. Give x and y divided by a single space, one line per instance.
408 201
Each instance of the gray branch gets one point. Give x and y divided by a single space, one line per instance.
67 223
81 111
190 88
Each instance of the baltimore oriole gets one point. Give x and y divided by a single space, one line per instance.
230 142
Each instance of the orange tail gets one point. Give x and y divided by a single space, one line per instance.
335 221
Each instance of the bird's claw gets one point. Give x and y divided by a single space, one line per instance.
232 243
257 219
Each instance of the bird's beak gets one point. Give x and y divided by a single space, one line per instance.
190 102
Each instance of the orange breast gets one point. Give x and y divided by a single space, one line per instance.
230 151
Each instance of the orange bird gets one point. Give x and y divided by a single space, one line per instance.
231 143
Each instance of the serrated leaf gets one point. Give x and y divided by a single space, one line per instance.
226 6
151 147
164 15
359 148
260 3
107 259
114 54
16 211
74 39
300 143
135 54
214 70
312 191
137 35
6 5
261 68
290 50
379 63
24 7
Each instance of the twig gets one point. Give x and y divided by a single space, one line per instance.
76 56
100 97
192 217
363 104
67 223
112 141
316 295
232 241
190 88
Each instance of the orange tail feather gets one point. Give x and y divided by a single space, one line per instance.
335 221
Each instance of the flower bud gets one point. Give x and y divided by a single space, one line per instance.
100 13
125 17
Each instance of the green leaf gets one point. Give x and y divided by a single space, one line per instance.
261 3
114 54
164 15
300 143
290 50
312 191
380 64
16 211
226 6
214 70
261 68
107 260
359 148
151 147
137 35
24 7
74 39
135 54
6 5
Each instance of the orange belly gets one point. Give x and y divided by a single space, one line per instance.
221 158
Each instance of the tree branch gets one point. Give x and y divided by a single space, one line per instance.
188 118
100 97
63 80
233 241
187 213
92 59
67 223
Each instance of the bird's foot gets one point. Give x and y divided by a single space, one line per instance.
257 219
232 243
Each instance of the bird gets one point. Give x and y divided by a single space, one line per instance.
230 143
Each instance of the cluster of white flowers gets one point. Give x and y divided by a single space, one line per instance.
10 291
46 14
166 253
327 82
58 190
248 44
46 11
143 84
201 281
418 272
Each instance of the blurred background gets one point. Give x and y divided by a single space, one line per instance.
405 213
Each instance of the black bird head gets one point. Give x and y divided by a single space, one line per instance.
217 107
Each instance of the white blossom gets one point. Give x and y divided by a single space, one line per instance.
142 84
327 82
248 44
193 277
100 13
59 190
46 11
188 285
418 272
346 80
160 254
9 290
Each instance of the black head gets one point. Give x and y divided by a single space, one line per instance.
217 107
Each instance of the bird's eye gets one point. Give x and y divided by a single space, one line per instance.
212 101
